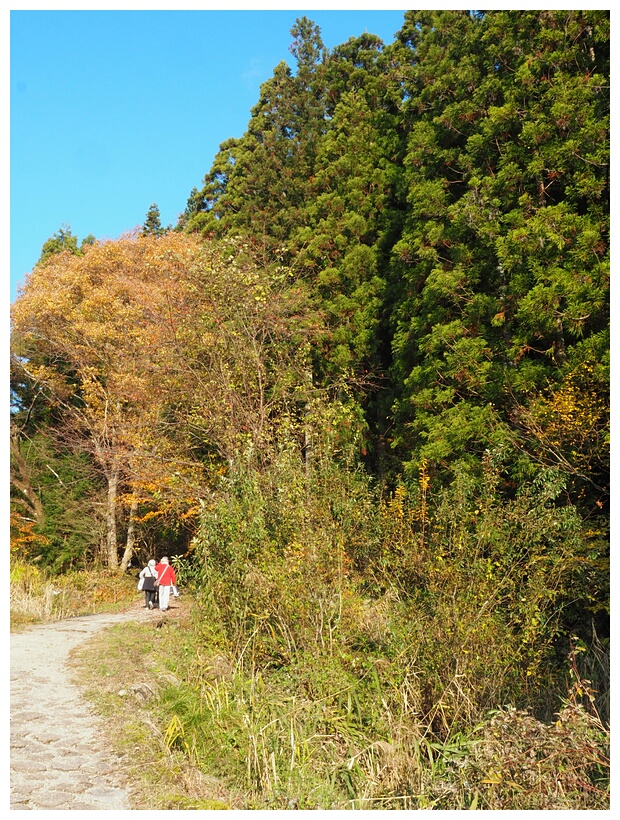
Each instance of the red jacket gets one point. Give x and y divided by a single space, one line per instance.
165 575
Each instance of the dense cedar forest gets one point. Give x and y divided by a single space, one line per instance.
361 392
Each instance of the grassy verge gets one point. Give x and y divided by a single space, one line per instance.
333 731
128 672
37 596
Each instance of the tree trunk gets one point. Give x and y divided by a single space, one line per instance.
20 478
560 345
131 536
111 541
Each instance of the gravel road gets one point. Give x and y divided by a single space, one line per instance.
59 758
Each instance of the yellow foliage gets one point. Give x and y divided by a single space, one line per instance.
23 537
571 425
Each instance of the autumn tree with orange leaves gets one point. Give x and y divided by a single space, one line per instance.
81 333
162 356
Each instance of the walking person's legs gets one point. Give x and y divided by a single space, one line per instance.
164 597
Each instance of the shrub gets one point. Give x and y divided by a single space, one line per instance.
366 640
519 762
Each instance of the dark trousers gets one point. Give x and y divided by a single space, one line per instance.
150 595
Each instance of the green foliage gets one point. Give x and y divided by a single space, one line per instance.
447 199
64 242
501 573
258 183
152 224
502 265
278 550
70 531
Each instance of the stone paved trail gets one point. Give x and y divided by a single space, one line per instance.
59 758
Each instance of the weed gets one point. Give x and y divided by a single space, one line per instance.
37 595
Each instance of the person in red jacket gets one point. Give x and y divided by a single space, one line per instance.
165 579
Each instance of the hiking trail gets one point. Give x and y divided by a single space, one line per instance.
60 758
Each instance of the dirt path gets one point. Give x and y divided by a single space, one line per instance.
59 758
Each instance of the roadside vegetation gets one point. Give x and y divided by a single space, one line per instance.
306 675
38 595
333 731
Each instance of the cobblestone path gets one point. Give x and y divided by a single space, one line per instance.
59 758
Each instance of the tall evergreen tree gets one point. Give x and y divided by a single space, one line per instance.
64 241
502 263
258 184
152 225
350 221
447 199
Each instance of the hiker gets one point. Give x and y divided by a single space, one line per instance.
165 579
148 576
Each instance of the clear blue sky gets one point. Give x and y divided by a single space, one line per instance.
114 110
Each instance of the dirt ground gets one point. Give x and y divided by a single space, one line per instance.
59 756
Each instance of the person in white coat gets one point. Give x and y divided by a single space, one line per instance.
148 576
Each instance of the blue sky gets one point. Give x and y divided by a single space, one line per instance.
114 110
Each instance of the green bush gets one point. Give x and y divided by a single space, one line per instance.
363 641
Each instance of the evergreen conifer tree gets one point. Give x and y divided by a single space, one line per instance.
152 225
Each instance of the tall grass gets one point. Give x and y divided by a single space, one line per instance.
38 596
316 735
370 650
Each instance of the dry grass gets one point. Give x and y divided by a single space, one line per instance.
124 672
175 710
38 597
522 762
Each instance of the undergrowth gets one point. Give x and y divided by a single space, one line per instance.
329 731
350 650
37 595
374 647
